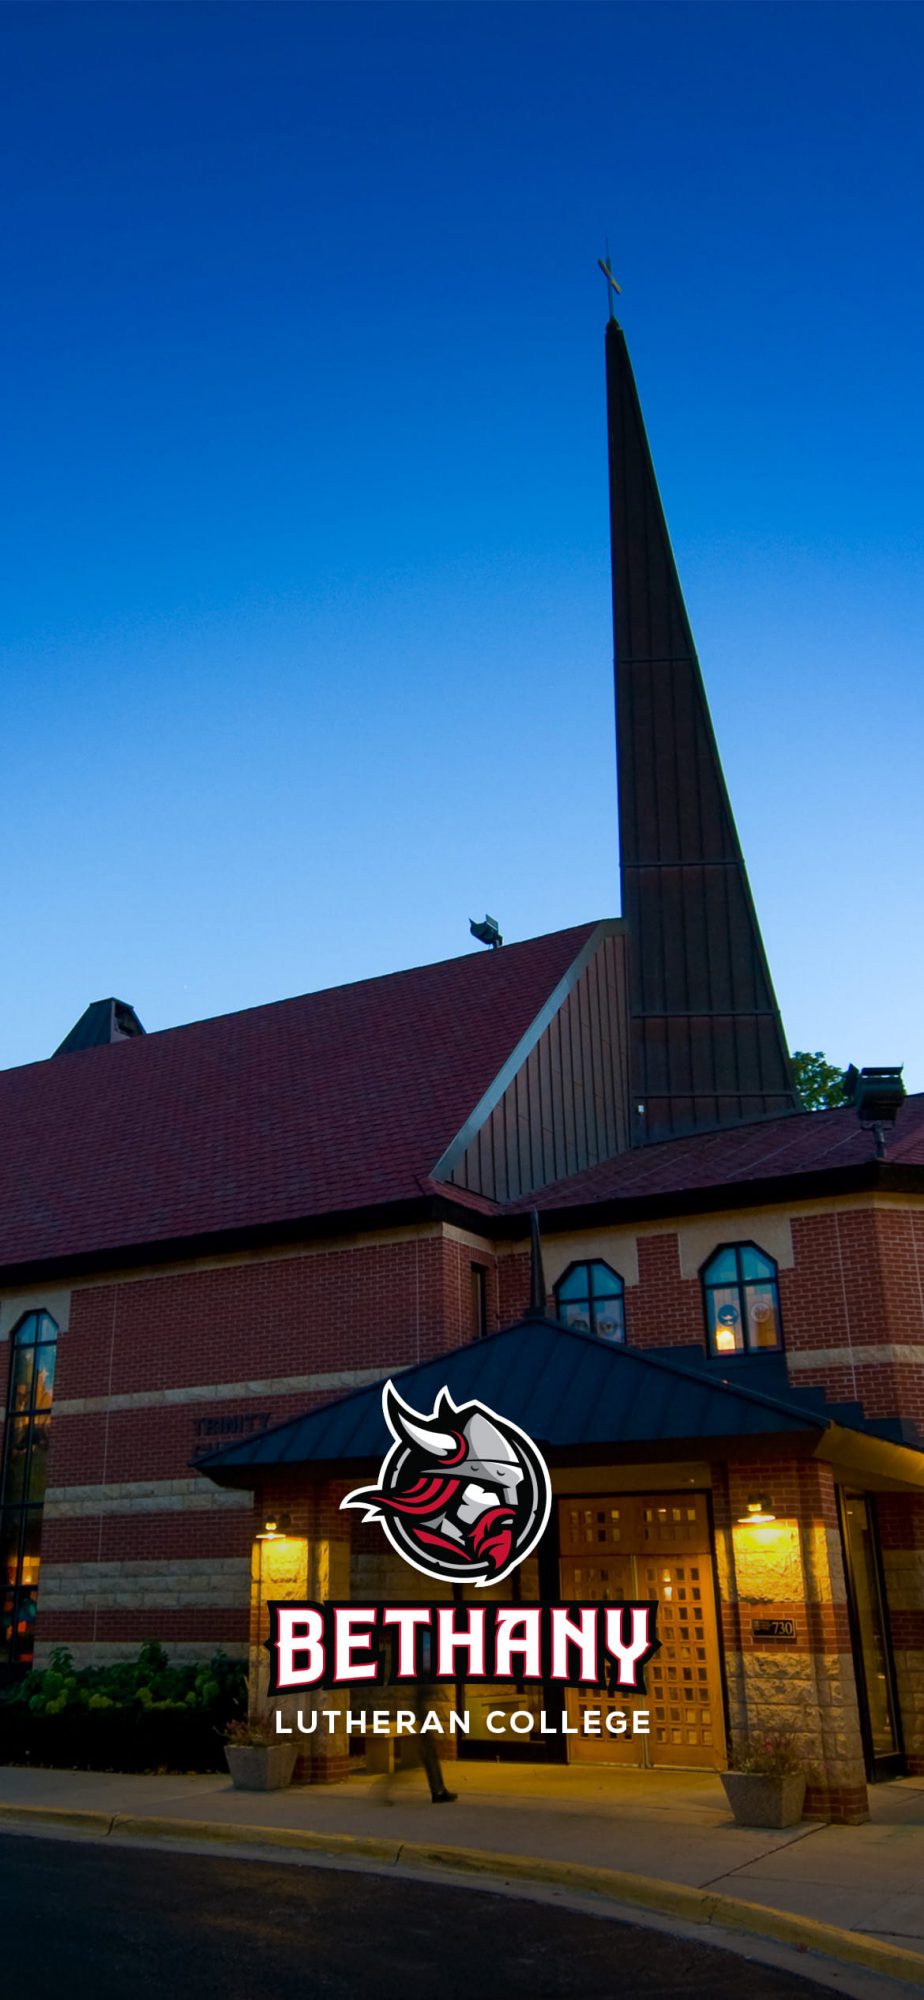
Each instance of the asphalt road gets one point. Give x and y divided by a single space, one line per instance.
80 1918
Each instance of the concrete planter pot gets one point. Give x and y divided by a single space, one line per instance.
261 1767
757 1800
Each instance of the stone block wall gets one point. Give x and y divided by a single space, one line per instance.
792 1569
311 1561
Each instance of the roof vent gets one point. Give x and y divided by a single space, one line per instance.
104 1021
877 1096
125 1022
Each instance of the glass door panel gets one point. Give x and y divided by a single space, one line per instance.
871 1642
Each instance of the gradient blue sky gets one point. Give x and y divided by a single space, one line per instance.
306 636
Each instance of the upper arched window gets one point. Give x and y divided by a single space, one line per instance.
22 1482
742 1300
590 1298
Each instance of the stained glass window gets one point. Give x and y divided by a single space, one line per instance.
22 1482
742 1300
590 1298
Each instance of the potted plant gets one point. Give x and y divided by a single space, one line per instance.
767 1785
258 1759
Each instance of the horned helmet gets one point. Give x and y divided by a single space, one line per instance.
476 1449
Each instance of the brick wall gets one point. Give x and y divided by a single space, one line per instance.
157 1369
853 1307
852 1299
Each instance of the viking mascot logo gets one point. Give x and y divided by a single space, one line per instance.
463 1494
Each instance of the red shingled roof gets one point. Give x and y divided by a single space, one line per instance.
338 1100
806 1142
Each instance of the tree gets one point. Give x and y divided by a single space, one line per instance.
820 1085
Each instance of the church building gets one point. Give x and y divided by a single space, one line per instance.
568 1177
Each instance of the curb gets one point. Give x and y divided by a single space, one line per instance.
646 1892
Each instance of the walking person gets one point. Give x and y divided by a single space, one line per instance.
422 1703
423 1699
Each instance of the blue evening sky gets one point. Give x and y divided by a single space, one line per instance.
306 629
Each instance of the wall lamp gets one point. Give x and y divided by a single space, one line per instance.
274 1530
759 1510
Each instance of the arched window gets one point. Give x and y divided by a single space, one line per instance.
590 1298
22 1482
742 1300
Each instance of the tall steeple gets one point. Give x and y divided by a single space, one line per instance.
707 1045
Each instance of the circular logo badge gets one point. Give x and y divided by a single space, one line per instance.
463 1494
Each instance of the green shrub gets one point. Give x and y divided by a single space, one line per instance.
150 1681
143 1714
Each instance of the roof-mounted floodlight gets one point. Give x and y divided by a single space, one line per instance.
877 1096
486 933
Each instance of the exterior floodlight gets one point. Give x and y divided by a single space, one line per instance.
877 1096
759 1511
486 933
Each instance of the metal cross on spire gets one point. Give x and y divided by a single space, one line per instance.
612 286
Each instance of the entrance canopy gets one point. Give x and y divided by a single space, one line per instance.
573 1392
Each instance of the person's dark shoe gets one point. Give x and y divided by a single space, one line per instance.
443 1798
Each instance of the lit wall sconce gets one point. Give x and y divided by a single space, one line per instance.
274 1530
759 1510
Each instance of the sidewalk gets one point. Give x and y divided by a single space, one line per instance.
672 1826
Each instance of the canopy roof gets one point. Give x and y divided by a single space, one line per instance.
568 1390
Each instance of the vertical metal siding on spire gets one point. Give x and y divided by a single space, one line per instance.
706 1037
566 1107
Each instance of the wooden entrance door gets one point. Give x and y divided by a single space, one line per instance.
597 1565
655 1546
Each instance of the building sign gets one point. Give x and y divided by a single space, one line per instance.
575 1645
463 1495
766 1630
243 1424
